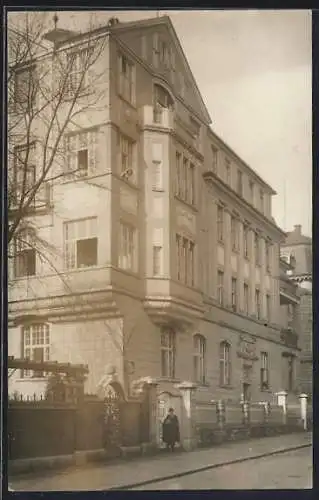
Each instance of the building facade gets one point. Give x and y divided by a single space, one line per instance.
166 255
297 248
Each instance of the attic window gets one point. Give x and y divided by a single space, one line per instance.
162 100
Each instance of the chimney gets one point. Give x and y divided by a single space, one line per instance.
297 229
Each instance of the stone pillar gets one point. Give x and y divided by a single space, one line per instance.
187 426
282 401
303 409
151 387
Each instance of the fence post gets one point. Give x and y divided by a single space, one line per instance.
282 401
188 430
303 410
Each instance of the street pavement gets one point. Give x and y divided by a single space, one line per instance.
143 471
291 470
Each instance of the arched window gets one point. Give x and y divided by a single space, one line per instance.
199 358
168 353
162 100
224 363
35 346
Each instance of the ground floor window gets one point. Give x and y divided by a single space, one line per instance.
35 346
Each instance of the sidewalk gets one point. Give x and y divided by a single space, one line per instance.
145 470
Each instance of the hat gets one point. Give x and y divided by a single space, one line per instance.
170 410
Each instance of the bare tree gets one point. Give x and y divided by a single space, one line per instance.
50 84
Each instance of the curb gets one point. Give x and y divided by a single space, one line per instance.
208 467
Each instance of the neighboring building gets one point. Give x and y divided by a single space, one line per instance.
166 244
298 248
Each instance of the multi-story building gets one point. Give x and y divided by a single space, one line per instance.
167 255
298 248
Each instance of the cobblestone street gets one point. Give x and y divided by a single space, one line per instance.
259 473
291 470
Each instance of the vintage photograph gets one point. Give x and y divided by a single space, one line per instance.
159 190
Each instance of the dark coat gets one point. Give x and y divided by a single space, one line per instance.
171 430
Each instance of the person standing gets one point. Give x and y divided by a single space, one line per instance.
171 434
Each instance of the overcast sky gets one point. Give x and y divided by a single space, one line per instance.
253 69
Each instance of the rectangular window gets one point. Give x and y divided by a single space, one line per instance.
35 346
261 197
268 306
239 183
178 257
78 64
199 359
264 371
251 192
191 190
185 180
24 172
168 340
220 288
257 249
25 88
246 299
126 79
224 364
246 241
185 250
157 184
126 149
80 243
128 254
257 304
81 153
24 255
157 260
268 259
234 232
178 188
228 171
214 159
220 223
234 294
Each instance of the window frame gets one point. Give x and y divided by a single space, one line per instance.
234 293
220 223
225 364
126 82
84 140
246 299
131 252
258 303
220 287
264 371
157 260
70 244
169 352
45 345
199 358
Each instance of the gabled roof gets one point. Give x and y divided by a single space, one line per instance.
297 239
166 21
